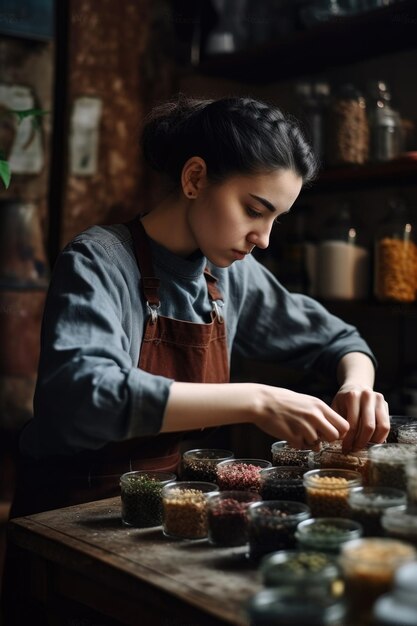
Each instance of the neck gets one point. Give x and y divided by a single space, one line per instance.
167 224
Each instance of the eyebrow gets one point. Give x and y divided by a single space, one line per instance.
265 202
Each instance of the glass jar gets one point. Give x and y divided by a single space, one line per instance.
270 607
328 491
399 608
240 474
388 462
284 454
200 464
368 504
396 257
185 509
348 128
401 523
227 517
342 261
282 483
369 566
303 569
384 123
411 477
327 534
272 526
141 497
396 421
407 433
331 456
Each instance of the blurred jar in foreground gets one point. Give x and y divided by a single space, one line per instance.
200 464
399 608
270 607
401 523
388 463
396 257
141 496
227 516
284 455
368 504
411 477
272 526
327 534
369 566
301 570
328 491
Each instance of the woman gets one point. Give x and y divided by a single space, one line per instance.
141 319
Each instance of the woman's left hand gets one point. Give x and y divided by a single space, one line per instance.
367 413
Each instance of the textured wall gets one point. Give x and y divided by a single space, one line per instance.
118 52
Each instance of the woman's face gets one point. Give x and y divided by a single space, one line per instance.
228 220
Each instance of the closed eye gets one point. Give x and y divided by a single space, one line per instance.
253 213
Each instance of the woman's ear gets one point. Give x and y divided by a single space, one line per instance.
193 176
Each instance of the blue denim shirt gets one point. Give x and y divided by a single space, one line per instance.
89 390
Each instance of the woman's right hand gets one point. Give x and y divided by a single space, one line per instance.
300 419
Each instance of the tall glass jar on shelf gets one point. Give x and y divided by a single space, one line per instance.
395 276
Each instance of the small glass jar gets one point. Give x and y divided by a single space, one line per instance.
283 483
270 607
228 519
272 526
401 523
185 509
240 474
396 257
399 608
328 491
284 455
331 456
411 475
368 504
396 421
388 462
327 534
303 569
407 433
141 497
369 566
200 464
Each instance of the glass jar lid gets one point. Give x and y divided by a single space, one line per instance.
376 498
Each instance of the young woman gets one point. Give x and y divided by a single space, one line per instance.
141 318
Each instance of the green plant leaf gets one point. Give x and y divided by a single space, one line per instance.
29 113
5 173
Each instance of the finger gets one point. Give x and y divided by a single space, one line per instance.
382 425
366 422
304 433
336 426
352 400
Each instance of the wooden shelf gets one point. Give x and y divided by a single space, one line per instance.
399 171
336 42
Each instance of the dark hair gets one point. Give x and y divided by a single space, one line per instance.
235 135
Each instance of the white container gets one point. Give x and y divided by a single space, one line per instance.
343 271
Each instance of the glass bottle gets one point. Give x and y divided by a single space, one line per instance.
342 263
396 257
313 99
384 124
348 128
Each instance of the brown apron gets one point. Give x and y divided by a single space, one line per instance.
181 350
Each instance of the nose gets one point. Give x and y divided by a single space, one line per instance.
260 238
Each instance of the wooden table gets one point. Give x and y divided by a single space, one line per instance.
82 556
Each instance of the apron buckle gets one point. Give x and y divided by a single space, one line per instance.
217 311
153 311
